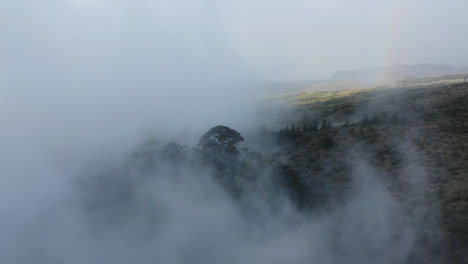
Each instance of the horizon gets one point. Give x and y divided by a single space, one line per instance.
272 40
376 67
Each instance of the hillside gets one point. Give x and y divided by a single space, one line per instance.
350 176
416 140
374 77
391 74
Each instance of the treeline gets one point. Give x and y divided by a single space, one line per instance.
305 127
316 125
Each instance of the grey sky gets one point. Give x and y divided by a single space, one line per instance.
312 39
294 39
125 66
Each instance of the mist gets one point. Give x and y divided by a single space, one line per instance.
84 83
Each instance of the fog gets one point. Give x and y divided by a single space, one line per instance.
82 83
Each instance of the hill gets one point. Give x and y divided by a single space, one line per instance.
416 140
391 74
350 176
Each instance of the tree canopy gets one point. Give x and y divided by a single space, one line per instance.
220 138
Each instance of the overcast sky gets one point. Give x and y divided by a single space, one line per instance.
294 39
120 66
312 39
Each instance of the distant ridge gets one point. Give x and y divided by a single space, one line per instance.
394 73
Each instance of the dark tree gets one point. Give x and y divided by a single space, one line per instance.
287 132
293 130
395 120
324 125
295 185
326 142
365 120
282 132
375 120
315 124
220 139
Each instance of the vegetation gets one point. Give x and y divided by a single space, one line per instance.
311 159
220 139
431 121
427 80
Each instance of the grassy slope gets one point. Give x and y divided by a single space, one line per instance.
438 114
